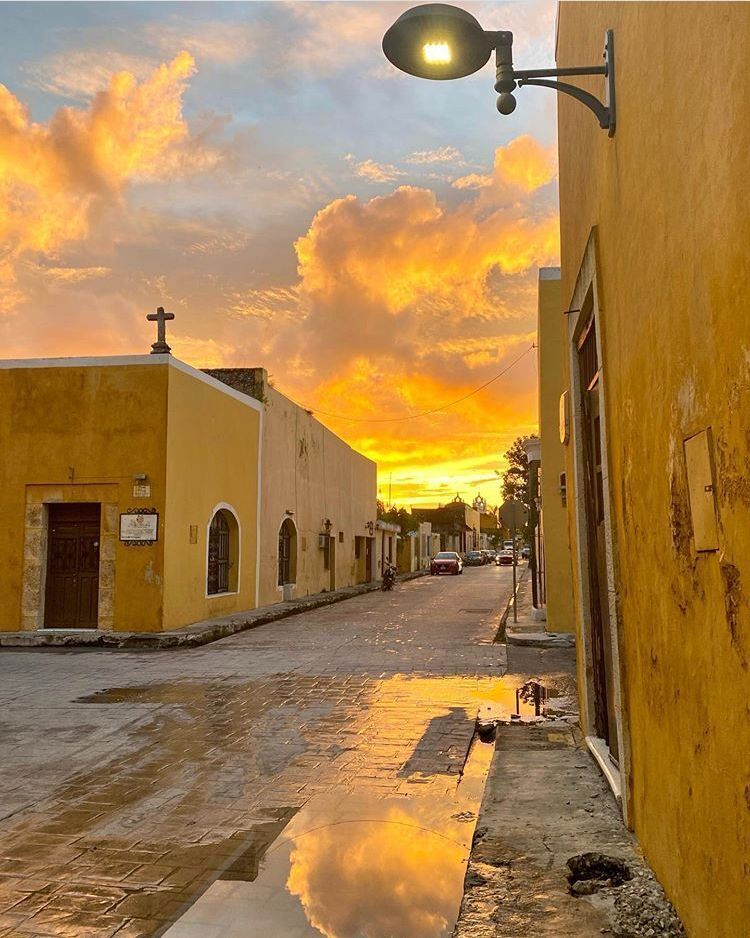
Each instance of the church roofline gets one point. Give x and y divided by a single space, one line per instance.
123 360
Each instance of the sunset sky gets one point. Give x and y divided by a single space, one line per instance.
263 172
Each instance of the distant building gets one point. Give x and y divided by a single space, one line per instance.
139 494
457 524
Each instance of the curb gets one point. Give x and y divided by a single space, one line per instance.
192 636
501 634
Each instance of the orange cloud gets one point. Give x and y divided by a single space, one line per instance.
405 247
407 303
56 178
523 164
391 876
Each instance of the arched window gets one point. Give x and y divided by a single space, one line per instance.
223 553
287 552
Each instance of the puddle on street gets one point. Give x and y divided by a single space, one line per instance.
355 866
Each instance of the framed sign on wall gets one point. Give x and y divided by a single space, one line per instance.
139 526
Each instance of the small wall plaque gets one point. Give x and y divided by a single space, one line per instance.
141 490
139 526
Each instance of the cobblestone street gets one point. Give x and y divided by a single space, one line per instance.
140 787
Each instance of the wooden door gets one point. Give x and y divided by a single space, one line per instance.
72 590
601 635
369 541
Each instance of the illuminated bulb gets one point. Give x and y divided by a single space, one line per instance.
437 53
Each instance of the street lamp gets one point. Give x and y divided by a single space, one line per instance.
439 41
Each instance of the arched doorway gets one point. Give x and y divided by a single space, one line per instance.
287 553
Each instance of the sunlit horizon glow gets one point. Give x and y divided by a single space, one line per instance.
260 170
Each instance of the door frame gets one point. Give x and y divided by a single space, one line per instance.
35 532
588 286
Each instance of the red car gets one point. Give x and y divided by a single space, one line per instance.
447 561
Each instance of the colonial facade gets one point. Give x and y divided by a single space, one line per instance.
457 524
554 556
318 504
140 494
654 231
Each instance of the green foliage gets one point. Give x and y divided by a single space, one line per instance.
516 476
399 516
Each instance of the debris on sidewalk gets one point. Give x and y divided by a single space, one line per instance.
551 855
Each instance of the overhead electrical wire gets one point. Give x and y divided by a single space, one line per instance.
425 413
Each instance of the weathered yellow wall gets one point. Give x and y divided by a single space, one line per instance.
105 423
551 339
668 195
311 472
212 457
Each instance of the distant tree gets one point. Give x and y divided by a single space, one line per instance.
398 516
516 476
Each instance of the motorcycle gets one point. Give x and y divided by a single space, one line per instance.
389 577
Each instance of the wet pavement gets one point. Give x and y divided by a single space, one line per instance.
319 775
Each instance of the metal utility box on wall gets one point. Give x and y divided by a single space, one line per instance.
699 462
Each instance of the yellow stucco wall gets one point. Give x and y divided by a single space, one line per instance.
668 197
310 471
551 333
80 433
212 459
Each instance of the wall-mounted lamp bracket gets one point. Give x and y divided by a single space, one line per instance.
508 78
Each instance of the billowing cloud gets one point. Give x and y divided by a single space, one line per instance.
523 164
57 178
377 879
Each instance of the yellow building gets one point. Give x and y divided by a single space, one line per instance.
655 230
140 494
318 505
556 559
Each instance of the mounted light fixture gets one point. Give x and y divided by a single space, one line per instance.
439 41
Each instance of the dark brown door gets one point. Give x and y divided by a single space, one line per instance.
601 634
369 541
72 591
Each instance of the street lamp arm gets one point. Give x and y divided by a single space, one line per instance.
602 112
523 74
508 78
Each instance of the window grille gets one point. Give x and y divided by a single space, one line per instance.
218 555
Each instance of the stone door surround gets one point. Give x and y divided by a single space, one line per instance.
36 521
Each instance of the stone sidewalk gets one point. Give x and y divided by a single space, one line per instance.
546 802
529 630
192 636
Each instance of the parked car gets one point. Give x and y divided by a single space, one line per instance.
492 554
486 558
504 558
447 561
474 558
